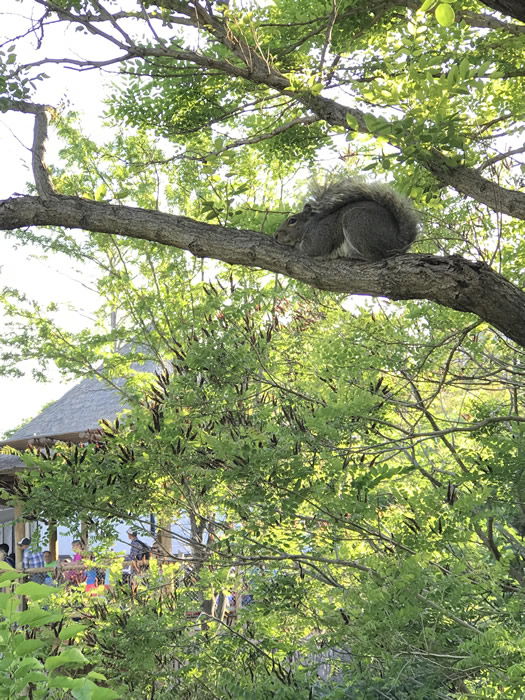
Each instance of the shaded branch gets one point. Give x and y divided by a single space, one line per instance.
500 156
512 8
257 138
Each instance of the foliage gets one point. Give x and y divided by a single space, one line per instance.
372 525
39 658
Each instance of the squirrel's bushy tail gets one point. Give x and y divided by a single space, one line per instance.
326 199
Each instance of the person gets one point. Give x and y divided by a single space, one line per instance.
76 576
5 556
49 564
91 581
138 558
32 559
138 550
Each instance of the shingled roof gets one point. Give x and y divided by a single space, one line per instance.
78 410
76 413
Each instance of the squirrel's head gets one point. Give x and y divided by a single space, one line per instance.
291 231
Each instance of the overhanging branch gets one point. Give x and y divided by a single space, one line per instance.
41 112
247 63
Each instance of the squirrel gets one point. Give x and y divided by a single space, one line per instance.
352 219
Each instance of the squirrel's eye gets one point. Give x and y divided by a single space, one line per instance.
292 221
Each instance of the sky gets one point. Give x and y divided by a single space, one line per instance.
23 267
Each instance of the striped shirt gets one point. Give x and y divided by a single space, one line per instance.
32 560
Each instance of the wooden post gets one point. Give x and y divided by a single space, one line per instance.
165 543
20 533
53 540
164 539
84 534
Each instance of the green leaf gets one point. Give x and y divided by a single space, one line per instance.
61 682
452 75
36 617
352 122
100 192
483 68
27 646
105 694
85 689
464 67
70 631
99 693
445 15
30 663
35 677
95 675
9 604
10 575
36 591
71 655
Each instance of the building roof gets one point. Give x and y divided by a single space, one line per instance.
73 415
79 409
10 464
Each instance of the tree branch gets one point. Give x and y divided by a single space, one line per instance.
512 8
249 64
40 172
500 156
451 281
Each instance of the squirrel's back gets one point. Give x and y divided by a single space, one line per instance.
352 219
326 200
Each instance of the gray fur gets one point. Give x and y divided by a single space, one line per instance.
352 219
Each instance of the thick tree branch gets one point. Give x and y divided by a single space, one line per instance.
468 181
450 281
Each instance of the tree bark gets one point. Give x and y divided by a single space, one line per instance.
512 8
451 281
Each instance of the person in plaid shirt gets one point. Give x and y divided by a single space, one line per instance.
32 559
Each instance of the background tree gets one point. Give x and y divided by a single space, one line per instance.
377 513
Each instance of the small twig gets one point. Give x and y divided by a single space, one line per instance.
501 156
446 613
328 38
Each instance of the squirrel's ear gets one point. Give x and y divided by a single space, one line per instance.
307 209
